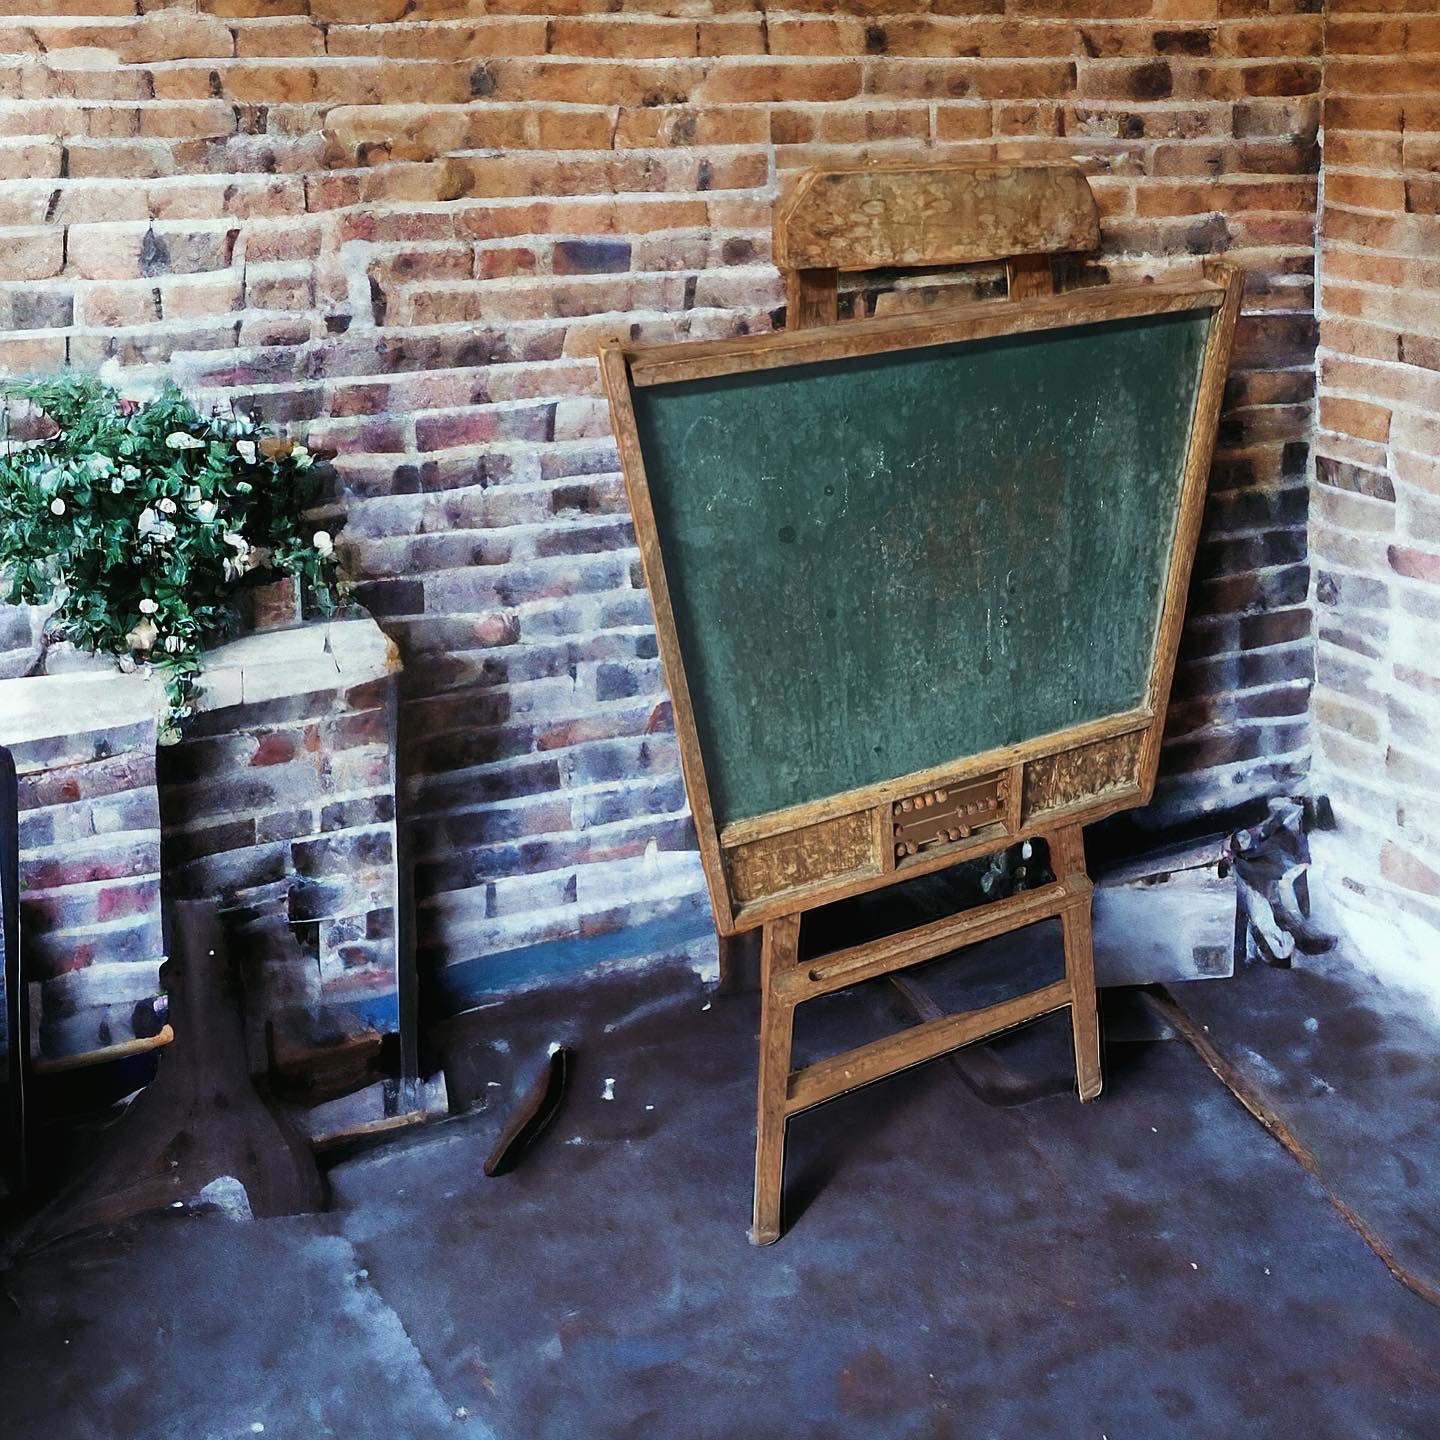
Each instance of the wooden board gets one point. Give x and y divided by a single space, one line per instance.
896 554
868 218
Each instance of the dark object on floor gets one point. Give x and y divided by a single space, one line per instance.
1272 864
15 1161
988 1075
535 1112
201 1119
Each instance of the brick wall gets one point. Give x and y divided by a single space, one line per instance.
403 224
89 832
1376 524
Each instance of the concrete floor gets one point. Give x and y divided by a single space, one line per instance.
1152 1265
1350 1065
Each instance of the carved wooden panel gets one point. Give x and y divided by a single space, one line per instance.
825 851
1057 781
934 215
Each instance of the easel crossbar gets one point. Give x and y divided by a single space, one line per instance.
828 1078
897 952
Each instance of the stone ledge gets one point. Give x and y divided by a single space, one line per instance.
39 707
274 664
90 693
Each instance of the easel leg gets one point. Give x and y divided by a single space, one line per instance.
1085 1021
1067 858
778 948
729 964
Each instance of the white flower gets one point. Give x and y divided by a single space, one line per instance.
205 511
179 440
117 485
323 543
143 636
57 506
148 606
99 465
165 505
247 450
130 472
150 526
237 542
301 458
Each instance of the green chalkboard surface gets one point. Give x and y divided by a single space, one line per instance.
884 563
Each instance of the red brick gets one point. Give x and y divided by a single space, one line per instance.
34 254
1355 417
625 39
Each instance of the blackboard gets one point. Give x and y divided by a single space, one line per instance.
881 563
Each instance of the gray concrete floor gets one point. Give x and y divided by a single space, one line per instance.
1152 1265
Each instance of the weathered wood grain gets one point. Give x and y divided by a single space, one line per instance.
778 949
956 214
1069 777
802 857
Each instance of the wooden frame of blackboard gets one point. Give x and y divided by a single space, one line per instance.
1093 769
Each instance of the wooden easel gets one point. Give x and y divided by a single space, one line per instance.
867 219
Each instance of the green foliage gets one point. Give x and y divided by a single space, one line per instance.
144 520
